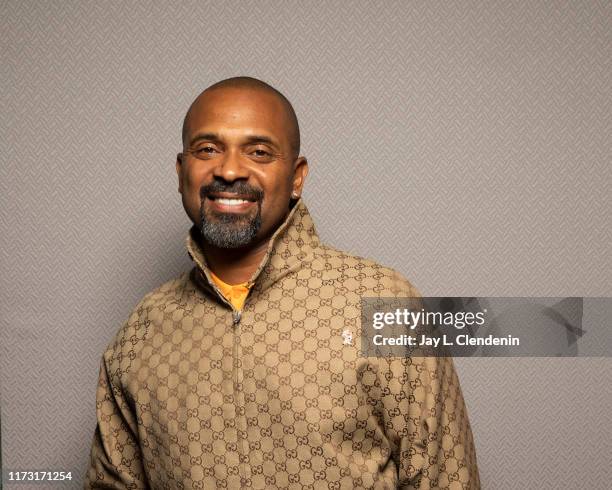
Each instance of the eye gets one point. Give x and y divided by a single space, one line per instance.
262 154
205 150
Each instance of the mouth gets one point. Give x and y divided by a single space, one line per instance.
229 202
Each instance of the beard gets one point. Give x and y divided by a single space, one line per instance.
230 230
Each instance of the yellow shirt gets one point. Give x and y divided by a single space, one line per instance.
235 294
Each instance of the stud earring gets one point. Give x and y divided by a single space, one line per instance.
295 195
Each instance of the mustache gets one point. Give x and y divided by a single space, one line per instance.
237 187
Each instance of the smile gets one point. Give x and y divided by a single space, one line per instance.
230 202
226 204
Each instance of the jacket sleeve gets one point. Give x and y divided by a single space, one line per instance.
426 419
115 459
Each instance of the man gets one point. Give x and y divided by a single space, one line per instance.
237 374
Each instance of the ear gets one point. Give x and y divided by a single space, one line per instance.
300 171
179 171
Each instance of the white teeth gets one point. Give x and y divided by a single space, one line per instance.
231 202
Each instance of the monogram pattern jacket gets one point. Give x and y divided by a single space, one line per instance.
195 394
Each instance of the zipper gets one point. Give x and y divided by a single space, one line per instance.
236 316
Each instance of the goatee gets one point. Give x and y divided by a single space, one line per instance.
230 230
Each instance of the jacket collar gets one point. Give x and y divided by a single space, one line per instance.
290 244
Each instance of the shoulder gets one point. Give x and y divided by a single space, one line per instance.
125 342
367 275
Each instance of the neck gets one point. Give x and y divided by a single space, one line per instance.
235 266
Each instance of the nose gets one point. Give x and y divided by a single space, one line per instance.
230 167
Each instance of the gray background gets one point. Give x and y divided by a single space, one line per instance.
466 144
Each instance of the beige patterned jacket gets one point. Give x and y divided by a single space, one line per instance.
194 394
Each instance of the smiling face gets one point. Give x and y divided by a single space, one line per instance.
239 169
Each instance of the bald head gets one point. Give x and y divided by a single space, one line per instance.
251 84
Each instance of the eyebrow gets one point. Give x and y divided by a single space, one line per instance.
255 138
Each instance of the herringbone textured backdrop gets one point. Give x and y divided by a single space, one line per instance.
466 144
